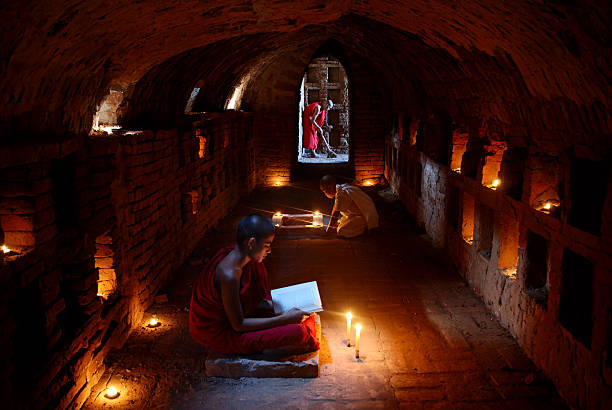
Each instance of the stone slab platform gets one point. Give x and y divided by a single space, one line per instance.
277 364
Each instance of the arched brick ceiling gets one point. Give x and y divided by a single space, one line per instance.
62 58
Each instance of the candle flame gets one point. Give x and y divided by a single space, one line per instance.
277 213
349 316
317 213
111 393
358 327
153 322
457 169
496 183
5 249
547 205
277 183
368 182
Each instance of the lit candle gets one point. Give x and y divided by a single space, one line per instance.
457 169
348 328
277 183
277 218
547 205
496 183
357 337
111 393
317 218
154 323
5 249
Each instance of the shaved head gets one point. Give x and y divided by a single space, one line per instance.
253 226
328 185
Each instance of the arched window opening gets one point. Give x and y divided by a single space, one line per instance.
235 100
324 80
105 118
191 100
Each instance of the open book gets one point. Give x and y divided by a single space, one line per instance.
303 296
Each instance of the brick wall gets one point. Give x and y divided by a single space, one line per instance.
547 281
133 205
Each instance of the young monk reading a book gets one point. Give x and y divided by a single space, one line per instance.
231 307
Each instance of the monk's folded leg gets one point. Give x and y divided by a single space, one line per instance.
303 334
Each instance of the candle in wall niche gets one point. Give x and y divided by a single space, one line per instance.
277 218
348 328
357 339
496 183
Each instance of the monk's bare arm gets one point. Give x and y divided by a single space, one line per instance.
230 294
331 217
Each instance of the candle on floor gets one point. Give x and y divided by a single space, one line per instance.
357 337
111 393
348 328
317 218
277 218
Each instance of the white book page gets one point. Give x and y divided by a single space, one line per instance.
304 296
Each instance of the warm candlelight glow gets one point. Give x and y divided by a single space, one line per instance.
277 218
111 393
457 170
547 205
357 339
153 322
5 249
348 328
496 183
277 183
317 218
368 182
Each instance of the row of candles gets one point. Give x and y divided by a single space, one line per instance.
349 317
317 218
547 207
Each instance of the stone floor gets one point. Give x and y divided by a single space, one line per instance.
322 159
427 340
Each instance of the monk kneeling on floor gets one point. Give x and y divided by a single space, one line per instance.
231 307
357 210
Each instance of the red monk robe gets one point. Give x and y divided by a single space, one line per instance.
209 325
310 138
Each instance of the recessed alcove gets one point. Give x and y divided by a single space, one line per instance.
484 230
512 172
490 171
105 264
467 225
576 308
545 183
507 237
587 187
460 140
536 266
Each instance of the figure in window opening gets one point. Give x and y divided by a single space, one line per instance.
312 122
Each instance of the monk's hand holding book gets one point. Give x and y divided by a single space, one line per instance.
295 315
